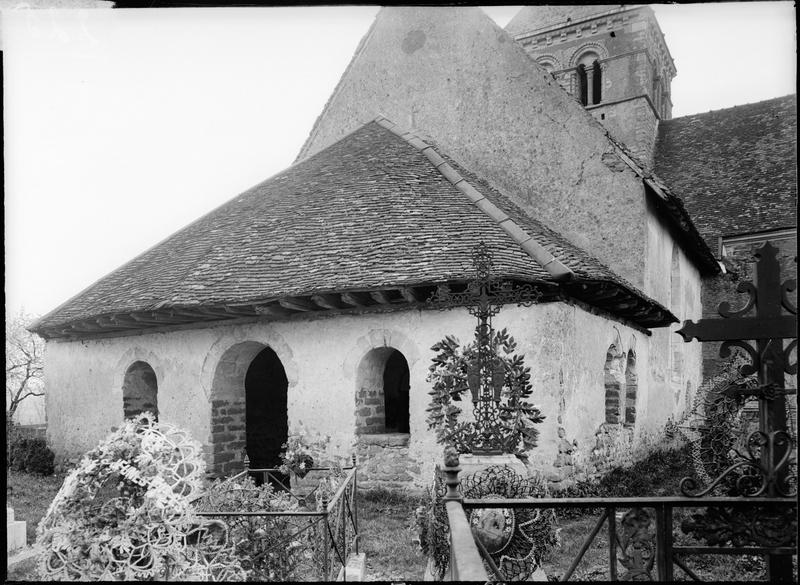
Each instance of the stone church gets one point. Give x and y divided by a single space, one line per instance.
300 305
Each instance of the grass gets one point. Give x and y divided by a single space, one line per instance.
387 528
30 495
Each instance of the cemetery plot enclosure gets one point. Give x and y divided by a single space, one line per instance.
311 540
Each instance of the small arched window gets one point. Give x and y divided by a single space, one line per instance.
583 89
382 399
597 84
631 386
139 390
613 381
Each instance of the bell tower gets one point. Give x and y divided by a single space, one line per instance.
611 58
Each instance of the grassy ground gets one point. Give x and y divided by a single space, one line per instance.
30 495
387 527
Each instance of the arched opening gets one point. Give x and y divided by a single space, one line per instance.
631 385
597 83
382 396
395 393
583 89
613 380
266 417
248 408
139 390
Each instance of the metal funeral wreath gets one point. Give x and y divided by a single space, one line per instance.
515 539
125 513
487 368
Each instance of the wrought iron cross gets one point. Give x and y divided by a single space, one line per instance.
483 298
769 359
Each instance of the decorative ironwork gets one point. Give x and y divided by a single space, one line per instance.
749 474
637 545
768 526
484 296
765 469
765 391
307 542
514 539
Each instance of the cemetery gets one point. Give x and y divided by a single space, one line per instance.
140 506
448 343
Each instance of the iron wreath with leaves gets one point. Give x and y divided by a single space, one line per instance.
455 371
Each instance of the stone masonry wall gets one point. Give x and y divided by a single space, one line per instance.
383 460
228 438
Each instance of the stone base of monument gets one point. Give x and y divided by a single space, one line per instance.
355 568
15 532
472 463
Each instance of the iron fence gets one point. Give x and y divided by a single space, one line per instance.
310 542
642 537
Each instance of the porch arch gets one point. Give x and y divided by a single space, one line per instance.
248 407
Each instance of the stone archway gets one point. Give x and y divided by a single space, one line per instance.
248 408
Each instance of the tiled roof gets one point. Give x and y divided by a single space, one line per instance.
735 169
373 211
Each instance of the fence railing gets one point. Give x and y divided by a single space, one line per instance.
310 542
641 531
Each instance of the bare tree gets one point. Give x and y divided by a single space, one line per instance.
24 363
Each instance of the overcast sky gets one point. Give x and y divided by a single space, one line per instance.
122 126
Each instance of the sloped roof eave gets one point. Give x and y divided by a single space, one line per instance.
552 270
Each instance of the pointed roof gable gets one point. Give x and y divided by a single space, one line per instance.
375 221
531 18
452 73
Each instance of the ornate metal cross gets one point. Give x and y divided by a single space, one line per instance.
769 359
484 297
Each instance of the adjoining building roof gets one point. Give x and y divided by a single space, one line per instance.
735 168
374 222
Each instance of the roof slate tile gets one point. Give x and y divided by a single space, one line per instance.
735 169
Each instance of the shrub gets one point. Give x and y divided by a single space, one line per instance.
32 455
658 474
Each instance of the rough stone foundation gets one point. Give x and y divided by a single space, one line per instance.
383 460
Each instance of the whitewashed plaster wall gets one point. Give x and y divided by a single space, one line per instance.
564 344
684 298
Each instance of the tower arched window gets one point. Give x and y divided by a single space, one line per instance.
589 75
597 83
583 90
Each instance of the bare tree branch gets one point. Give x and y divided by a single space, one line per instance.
24 363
